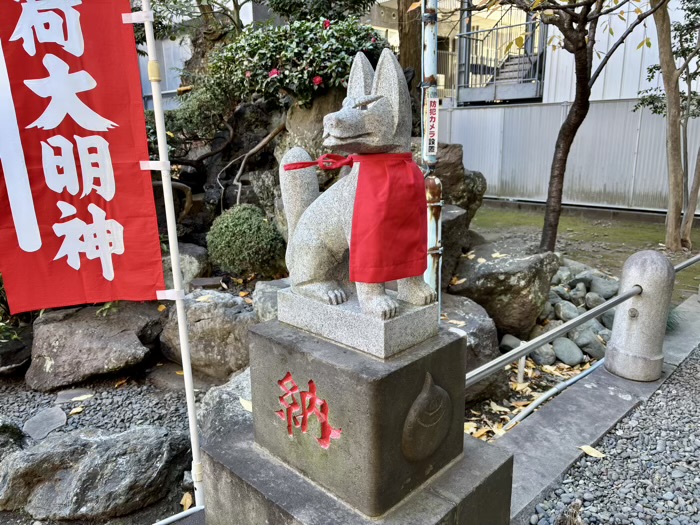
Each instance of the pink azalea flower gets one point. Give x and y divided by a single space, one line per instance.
274 73
248 74
326 24
317 80
374 40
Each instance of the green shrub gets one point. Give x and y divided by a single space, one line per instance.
241 240
302 59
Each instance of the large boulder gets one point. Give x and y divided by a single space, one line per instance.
194 262
265 298
11 437
512 286
15 352
89 475
218 329
75 344
221 411
482 344
460 187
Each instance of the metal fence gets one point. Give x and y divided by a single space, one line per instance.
447 74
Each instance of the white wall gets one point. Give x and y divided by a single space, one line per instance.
625 75
618 158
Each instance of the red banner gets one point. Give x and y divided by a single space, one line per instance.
77 215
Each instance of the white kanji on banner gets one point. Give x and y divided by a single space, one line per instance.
62 87
60 170
42 18
99 240
96 165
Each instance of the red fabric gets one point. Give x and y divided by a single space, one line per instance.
389 225
39 278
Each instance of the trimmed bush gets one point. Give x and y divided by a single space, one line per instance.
241 240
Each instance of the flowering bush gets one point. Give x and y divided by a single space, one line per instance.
302 59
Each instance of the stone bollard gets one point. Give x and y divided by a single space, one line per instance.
635 350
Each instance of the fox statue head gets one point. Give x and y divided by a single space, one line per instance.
376 114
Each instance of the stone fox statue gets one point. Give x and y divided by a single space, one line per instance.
374 126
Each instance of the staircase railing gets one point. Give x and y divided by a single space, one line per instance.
509 54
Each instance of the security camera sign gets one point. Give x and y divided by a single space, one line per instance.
77 214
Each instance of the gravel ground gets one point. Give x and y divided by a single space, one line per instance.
650 474
116 409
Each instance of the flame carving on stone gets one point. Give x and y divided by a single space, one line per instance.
427 423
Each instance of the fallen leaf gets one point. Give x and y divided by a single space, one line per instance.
246 404
590 451
204 299
76 411
519 387
498 255
414 5
244 294
520 404
471 256
248 300
481 260
186 501
468 255
180 372
456 323
162 308
82 398
121 382
498 408
481 433
460 281
470 428
498 430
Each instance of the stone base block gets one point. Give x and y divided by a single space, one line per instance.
347 325
368 430
246 486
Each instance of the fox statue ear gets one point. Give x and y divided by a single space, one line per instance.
390 83
361 75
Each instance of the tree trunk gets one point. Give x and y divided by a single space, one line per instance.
410 38
674 156
687 227
565 139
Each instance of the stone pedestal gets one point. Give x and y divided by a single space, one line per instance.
338 436
392 424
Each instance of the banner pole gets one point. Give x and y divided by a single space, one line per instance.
155 78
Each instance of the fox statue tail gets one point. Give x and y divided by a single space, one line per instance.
299 187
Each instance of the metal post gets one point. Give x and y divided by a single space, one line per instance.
430 104
155 78
635 350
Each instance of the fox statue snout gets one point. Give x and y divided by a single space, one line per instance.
376 118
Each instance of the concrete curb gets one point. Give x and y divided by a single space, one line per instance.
546 444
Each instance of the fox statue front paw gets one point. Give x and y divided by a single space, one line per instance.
381 306
416 291
328 292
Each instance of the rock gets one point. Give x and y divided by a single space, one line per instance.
218 327
595 348
544 355
512 288
554 298
463 188
566 311
605 335
455 240
194 262
543 329
575 266
221 412
562 276
265 298
509 343
45 422
578 294
11 437
605 287
608 318
482 346
89 475
67 396
567 352
75 344
581 309
586 334
546 313
15 353
592 300
562 292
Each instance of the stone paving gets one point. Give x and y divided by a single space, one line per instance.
650 474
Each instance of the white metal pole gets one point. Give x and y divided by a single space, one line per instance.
155 78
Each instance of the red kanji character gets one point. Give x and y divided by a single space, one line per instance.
312 405
289 402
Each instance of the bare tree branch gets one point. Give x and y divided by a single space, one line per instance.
621 40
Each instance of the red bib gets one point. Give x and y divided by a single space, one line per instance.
389 223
